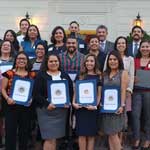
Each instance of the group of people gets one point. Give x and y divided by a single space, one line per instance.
70 58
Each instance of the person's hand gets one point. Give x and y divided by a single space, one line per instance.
10 101
120 110
51 107
76 106
66 106
136 80
90 107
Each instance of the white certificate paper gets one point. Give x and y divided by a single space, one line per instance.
58 93
21 91
110 99
86 93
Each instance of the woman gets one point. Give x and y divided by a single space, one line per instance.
128 61
94 49
6 52
141 99
17 117
12 37
40 51
58 40
6 59
32 37
112 123
86 117
51 119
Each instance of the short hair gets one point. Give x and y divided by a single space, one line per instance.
53 34
93 37
101 27
71 37
75 23
126 42
134 27
24 19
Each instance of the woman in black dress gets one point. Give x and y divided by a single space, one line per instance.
86 117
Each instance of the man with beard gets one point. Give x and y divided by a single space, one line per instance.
74 29
105 45
137 34
72 63
72 59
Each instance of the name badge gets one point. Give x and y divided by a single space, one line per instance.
81 45
50 49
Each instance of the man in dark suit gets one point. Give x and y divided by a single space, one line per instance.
74 29
137 34
105 45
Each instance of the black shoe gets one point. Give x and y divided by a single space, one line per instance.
135 147
145 148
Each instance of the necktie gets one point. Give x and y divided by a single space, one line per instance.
102 46
135 48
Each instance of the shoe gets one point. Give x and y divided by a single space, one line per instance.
135 147
145 148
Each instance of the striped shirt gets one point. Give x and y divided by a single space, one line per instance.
74 64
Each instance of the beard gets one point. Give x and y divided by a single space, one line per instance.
71 50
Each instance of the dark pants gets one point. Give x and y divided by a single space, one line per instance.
17 120
141 110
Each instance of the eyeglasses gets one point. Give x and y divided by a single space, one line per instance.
40 49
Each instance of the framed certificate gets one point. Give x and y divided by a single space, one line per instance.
86 92
5 67
21 91
72 75
143 79
58 93
111 99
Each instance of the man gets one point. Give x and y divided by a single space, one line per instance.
24 24
137 34
105 45
74 29
72 59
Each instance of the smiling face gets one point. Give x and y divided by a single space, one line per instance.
145 49
6 48
74 28
9 36
32 32
137 34
40 51
53 63
102 34
94 44
113 62
59 35
121 45
71 45
21 61
24 26
90 63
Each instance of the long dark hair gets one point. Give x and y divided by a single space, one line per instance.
126 42
44 66
15 42
139 55
118 56
27 38
84 73
28 66
53 40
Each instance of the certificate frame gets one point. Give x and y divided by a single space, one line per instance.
80 99
54 89
16 87
110 91
5 66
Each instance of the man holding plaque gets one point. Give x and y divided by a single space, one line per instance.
17 111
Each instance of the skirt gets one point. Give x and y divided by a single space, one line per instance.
52 123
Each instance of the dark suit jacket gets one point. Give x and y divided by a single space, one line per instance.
109 46
130 52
